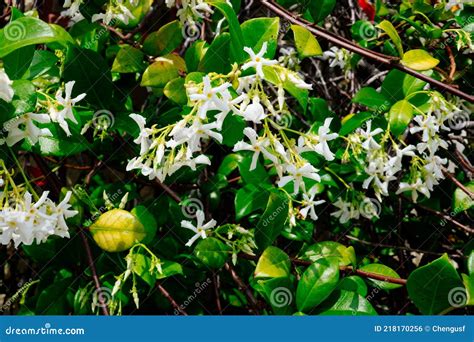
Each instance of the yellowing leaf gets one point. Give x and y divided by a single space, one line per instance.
306 43
388 28
419 60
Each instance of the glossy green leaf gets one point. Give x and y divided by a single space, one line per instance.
26 31
373 99
330 250
272 221
399 116
147 220
176 91
388 28
212 252
354 284
163 70
320 9
430 286
128 60
217 58
461 200
273 263
346 303
316 284
164 41
249 199
260 30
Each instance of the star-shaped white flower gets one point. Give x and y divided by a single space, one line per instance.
368 135
212 98
417 186
258 61
199 229
66 102
23 127
323 137
296 174
309 204
143 138
257 145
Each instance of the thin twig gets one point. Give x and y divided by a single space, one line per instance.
170 299
95 277
242 287
389 61
458 183
447 218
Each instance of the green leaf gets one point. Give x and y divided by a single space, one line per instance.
167 39
273 263
257 176
53 300
397 85
470 263
147 220
384 271
399 116
176 91
26 31
272 221
465 297
354 284
461 200
92 75
279 293
372 98
306 43
320 9
168 269
429 287
249 199
388 28
316 284
237 41
419 60
217 57
335 251
212 252
17 62
353 121
163 70
128 60
345 303
44 62
260 30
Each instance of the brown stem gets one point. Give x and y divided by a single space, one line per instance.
452 63
389 61
170 299
447 218
169 191
217 285
95 277
361 273
458 183
242 287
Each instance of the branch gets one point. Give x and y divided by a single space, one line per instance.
389 61
447 218
95 277
170 299
348 269
458 183
242 287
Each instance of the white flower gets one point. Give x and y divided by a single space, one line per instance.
114 11
253 112
257 145
338 57
73 10
322 138
258 61
309 203
212 98
298 82
199 131
395 163
66 102
23 127
296 174
143 138
416 187
346 211
199 229
29 221
368 135
454 3
6 91
428 126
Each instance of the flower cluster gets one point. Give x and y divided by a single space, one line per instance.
6 91
26 220
165 150
25 126
190 10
